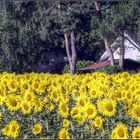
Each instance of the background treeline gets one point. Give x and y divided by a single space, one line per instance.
29 28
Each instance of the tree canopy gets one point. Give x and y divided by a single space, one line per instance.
29 28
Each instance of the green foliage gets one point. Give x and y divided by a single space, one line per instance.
132 71
28 28
109 69
20 41
79 64
2 68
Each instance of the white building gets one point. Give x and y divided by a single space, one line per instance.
132 49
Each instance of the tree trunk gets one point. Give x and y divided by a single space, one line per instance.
106 42
74 55
122 51
109 51
71 51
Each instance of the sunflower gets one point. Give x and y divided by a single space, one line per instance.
129 96
48 104
93 93
80 118
137 93
90 111
25 107
63 109
24 86
2 96
6 131
41 88
35 85
54 96
12 86
107 107
63 134
136 133
82 100
119 95
64 96
135 112
4 81
37 129
66 123
75 110
98 122
13 102
29 96
82 89
125 75
14 129
120 132
75 93
38 105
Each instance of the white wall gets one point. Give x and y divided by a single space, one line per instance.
131 52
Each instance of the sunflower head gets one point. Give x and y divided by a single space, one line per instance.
136 133
14 129
25 86
29 96
6 130
98 122
135 112
63 109
37 129
107 107
90 111
63 134
66 123
120 132
13 102
38 105
25 107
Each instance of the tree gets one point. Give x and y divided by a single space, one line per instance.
116 18
104 32
71 51
65 16
122 22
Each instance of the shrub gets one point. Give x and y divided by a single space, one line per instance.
2 68
109 69
132 71
80 64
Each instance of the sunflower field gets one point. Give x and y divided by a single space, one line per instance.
46 106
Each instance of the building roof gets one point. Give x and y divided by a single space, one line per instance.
132 54
96 65
128 64
132 49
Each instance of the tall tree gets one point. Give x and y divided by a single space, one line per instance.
123 21
122 51
71 50
104 33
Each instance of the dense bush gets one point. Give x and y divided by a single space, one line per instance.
80 64
109 69
2 68
26 30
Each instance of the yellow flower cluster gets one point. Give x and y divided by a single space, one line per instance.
11 129
92 102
